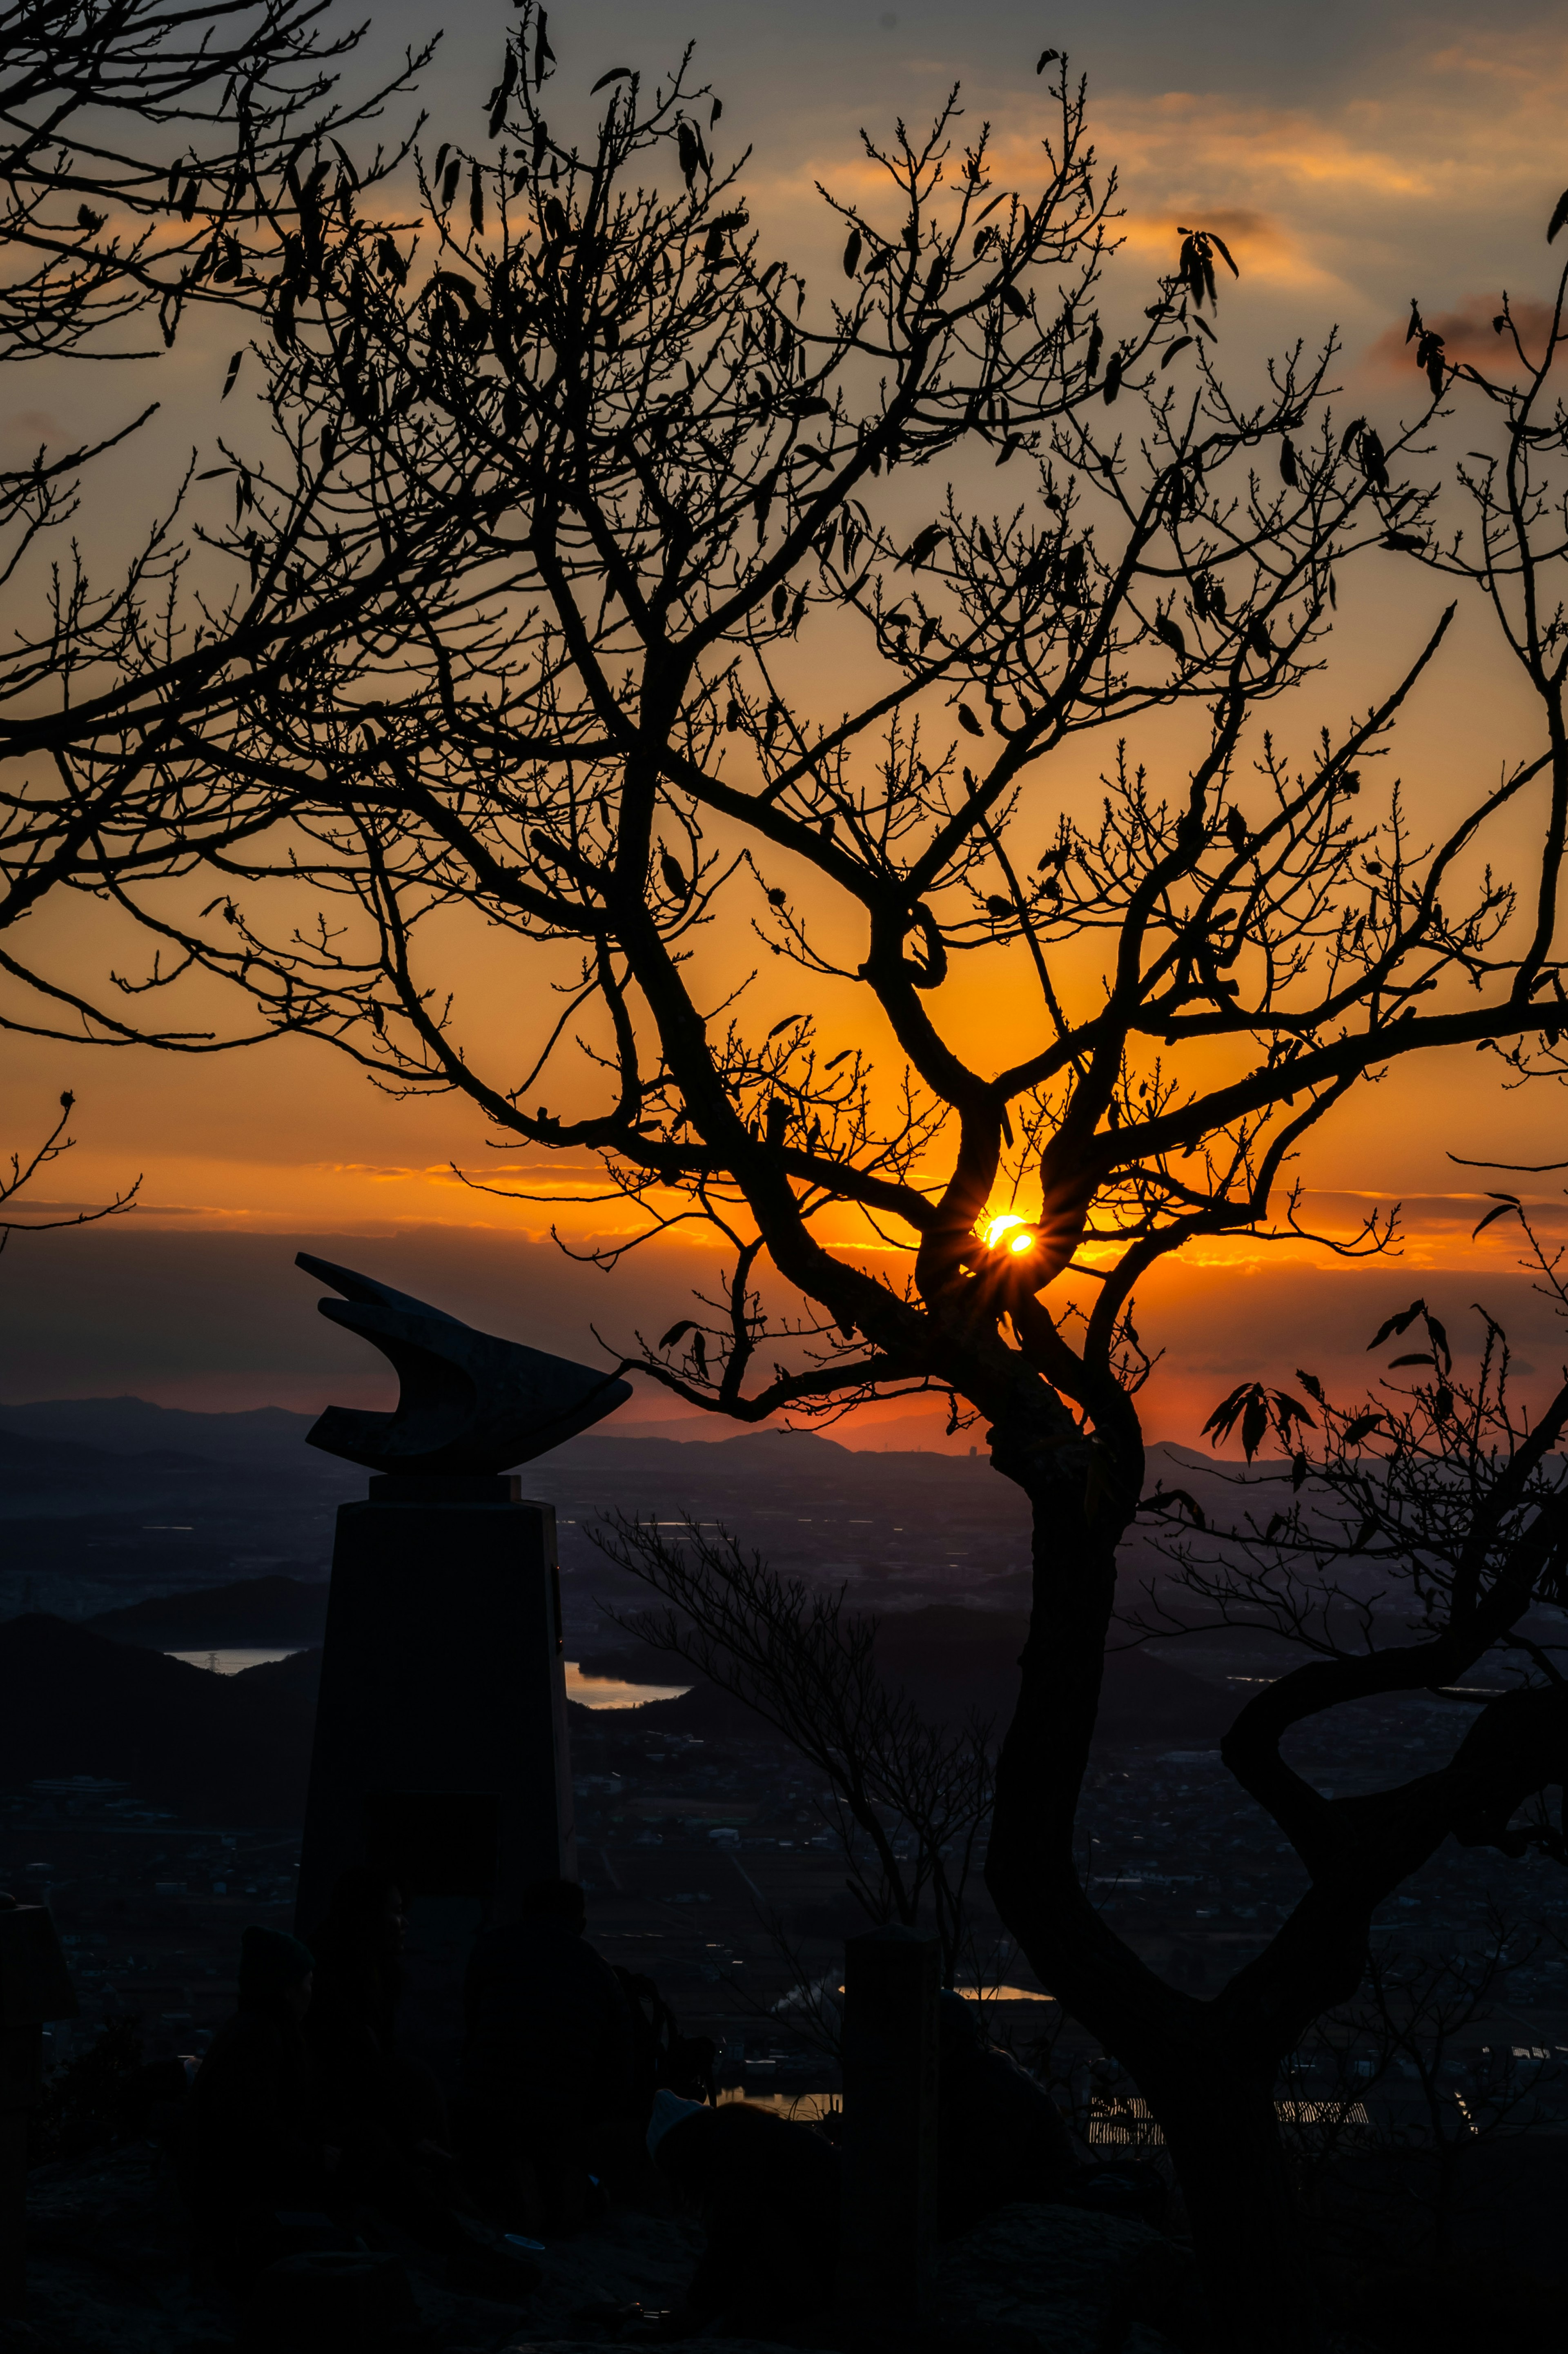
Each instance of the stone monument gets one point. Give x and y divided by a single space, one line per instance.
35 1987
440 1748
892 1975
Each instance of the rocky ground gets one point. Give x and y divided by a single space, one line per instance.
108 2273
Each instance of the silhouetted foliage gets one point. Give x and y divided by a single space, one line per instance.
1421 1534
1412 2021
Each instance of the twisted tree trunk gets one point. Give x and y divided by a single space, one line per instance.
1207 2069
1223 2132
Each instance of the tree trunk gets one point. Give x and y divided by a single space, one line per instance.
1258 2279
1208 2081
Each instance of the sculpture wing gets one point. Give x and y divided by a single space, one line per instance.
469 1402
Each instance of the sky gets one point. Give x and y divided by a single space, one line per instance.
1352 156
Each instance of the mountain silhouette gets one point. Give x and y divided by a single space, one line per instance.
216 1749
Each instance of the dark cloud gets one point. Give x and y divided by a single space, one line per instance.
225 1320
817 62
1467 334
167 1315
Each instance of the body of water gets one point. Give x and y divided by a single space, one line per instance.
608 1691
592 1691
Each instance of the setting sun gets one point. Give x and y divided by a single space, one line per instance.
1009 1228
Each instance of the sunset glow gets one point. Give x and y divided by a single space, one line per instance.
1333 211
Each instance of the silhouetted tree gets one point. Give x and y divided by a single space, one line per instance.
1410 1539
149 158
1391 2177
153 157
595 515
908 1799
28 1166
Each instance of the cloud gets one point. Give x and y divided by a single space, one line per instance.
1467 334
1341 1212
38 424
1426 166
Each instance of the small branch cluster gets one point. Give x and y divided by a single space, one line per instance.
909 1799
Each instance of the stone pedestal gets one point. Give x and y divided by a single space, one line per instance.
34 1986
890 2069
440 1750
21 2081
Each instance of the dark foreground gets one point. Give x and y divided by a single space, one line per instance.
111 2273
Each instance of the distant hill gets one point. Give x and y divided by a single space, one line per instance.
57 1477
295 1681
703 1714
214 1748
253 1610
628 1451
236 1748
132 1426
950 1659
917 1433
23 1451
271 1437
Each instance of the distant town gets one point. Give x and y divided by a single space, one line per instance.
156 1806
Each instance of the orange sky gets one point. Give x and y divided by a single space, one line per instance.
1413 151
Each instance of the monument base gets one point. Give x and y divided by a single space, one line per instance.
891 2069
441 1753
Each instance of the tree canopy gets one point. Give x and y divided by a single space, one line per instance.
154 159
622 603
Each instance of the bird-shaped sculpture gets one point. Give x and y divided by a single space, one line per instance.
470 1403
